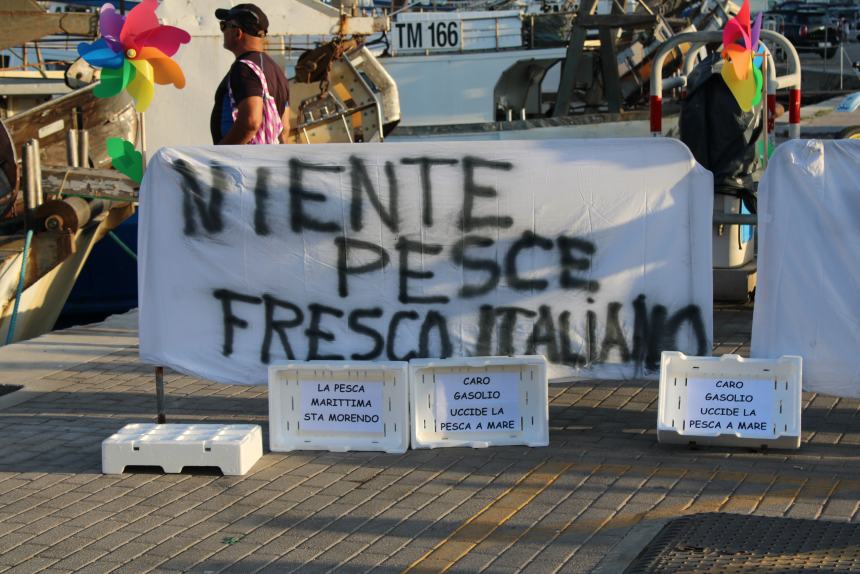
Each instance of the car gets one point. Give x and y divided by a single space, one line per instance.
808 30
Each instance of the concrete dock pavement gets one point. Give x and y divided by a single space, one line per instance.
588 502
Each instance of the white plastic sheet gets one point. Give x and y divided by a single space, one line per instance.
808 291
595 254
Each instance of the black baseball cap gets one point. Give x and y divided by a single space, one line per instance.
248 16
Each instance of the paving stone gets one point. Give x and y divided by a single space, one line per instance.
101 529
98 567
251 563
361 563
358 512
143 563
805 510
401 560
77 560
54 535
19 554
474 562
31 566
289 562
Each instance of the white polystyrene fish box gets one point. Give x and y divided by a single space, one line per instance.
339 406
479 402
232 448
730 401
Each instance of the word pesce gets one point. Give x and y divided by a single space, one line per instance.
488 249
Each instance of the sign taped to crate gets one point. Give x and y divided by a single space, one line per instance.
730 401
479 402
339 406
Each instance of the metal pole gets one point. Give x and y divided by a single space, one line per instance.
764 110
159 395
841 66
37 172
141 125
735 219
72 148
83 148
40 63
532 33
33 176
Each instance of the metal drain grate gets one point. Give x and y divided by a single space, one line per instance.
739 543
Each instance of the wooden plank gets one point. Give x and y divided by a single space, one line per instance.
20 26
23 5
102 117
90 183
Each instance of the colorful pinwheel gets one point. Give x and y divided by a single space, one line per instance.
134 53
742 49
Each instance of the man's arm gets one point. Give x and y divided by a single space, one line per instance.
248 121
285 119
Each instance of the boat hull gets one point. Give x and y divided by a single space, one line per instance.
41 302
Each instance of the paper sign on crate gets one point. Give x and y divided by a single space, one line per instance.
730 400
479 402
339 406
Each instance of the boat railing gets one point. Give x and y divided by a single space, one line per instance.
774 82
427 34
447 6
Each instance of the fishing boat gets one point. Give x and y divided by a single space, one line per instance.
479 68
53 213
58 195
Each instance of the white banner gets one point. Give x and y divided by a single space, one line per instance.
808 288
594 253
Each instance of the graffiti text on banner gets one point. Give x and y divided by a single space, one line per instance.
380 252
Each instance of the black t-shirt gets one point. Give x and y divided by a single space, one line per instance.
245 83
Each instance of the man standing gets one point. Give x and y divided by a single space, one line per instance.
252 101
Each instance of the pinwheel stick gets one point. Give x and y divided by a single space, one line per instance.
141 136
765 110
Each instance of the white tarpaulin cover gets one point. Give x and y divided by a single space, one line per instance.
596 254
808 292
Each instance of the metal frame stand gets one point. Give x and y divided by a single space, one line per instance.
607 26
161 418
